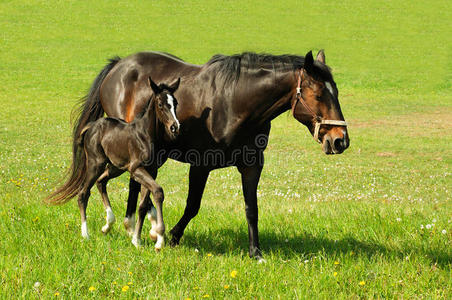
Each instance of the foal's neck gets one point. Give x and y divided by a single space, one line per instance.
149 121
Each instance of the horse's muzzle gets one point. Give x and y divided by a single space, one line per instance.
335 145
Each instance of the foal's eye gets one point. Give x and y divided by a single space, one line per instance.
160 105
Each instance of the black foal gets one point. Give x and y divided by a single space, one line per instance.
108 147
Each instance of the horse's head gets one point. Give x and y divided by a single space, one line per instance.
316 105
165 106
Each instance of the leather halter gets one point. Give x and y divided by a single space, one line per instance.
319 121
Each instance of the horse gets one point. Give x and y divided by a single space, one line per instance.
108 147
225 108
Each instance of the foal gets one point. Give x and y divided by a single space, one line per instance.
108 147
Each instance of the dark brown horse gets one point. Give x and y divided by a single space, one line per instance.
225 109
108 147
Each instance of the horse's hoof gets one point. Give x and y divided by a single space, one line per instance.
174 242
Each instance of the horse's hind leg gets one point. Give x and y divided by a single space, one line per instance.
92 174
129 220
109 173
144 178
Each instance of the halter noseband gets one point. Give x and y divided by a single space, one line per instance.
318 120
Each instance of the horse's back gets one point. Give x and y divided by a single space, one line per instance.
125 90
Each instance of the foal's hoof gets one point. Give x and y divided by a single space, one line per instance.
153 235
136 242
129 224
106 229
160 243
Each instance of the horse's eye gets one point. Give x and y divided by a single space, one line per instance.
160 105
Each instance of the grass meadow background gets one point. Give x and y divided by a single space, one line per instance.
373 222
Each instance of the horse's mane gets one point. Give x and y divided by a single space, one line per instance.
230 68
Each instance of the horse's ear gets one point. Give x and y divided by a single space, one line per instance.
154 86
308 61
321 56
173 86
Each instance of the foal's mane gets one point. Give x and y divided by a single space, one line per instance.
230 68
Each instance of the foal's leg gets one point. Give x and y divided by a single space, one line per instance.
129 220
197 182
144 178
92 174
109 173
152 213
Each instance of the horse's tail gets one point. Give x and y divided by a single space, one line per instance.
76 174
90 108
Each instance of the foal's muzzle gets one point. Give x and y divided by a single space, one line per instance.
174 128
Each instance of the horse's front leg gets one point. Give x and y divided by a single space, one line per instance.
250 180
197 182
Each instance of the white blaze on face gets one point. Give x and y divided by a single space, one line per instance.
329 87
173 112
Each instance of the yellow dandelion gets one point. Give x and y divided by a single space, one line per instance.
187 298
362 282
336 262
130 283
196 288
118 268
130 273
56 294
206 296
209 254
104 262
115 283
125 288
36 219
92 289
226 286
233 273
335 274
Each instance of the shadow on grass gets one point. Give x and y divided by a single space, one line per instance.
304 245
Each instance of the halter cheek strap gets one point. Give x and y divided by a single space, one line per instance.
318 120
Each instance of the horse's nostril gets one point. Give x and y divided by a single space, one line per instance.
339 144
173 128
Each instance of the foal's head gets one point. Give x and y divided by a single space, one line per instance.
317 105
165 106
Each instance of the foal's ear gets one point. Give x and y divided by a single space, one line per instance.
321 56
154 86
173 86
308 61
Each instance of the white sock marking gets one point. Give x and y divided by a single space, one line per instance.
85 230
160 242
110 216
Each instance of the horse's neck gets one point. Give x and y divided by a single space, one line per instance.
283 88
255 103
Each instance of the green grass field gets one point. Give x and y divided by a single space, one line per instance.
374 222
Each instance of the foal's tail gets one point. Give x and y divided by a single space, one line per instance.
90 108
76 175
